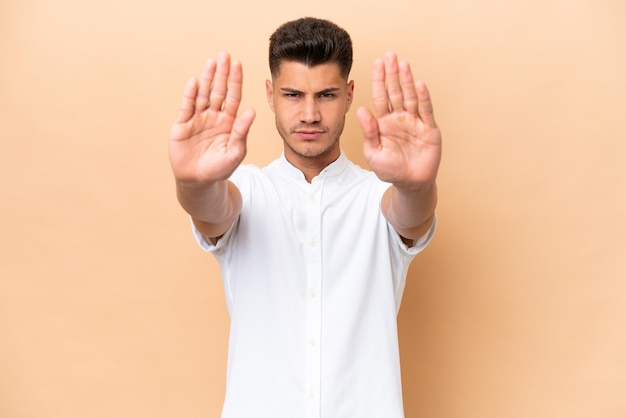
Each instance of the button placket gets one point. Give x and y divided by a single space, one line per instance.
313 301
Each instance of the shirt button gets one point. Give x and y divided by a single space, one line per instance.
312 342
312 243
313 293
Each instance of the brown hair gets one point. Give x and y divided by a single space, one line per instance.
310 41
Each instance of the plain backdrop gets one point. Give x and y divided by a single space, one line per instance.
516 310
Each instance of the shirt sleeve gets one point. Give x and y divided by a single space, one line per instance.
422 242
418 244
241 179
208 246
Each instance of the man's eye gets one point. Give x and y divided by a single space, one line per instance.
291 95
327 95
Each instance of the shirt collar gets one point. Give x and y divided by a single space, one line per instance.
332 169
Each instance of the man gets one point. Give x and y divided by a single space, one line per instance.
314 250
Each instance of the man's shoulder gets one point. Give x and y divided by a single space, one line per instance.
246 170
362 175
254 177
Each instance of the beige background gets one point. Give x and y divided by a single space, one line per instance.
518 309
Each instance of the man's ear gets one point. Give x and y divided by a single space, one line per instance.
350 95
269 91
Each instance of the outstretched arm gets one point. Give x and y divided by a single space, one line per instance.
403 146
207 143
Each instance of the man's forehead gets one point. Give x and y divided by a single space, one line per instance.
322 76
301 67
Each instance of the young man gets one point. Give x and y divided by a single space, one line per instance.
314 250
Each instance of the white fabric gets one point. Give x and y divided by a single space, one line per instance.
313 276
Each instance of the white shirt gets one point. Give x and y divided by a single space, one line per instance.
313 277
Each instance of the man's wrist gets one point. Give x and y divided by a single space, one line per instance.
413 188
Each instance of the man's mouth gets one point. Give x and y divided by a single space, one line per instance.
309 134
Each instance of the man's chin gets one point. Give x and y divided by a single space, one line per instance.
312 150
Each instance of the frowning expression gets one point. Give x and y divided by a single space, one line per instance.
310 106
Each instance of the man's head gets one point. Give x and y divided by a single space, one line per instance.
310 41
309 93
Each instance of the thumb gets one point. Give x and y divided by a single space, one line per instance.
242 124
369 125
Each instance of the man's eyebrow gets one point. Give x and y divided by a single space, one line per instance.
289 90
329 90
296 91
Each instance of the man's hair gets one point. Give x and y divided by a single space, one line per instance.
310 41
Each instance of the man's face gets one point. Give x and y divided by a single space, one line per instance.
310 106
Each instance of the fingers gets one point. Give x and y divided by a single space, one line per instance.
220 82
233 95
394 89
187 106
386 87
219 88
379 90
409 93
425 105
206 79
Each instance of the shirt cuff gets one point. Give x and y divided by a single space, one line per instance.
205 243
422 242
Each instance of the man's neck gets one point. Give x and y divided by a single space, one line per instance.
311 167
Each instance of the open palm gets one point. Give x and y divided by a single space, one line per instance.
208 139
403 143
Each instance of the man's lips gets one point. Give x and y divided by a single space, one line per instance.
309 134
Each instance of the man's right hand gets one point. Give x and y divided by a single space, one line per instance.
208 139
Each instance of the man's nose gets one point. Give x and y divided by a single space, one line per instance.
310 111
